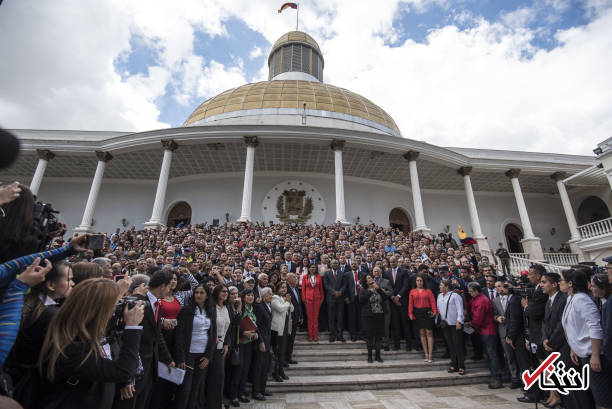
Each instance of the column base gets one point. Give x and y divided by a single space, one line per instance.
483 244
153 224
575 248
422 229
343 222
244 219
83 229
533 246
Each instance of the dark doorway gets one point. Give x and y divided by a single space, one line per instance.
514 235
592 209
398 219
180 213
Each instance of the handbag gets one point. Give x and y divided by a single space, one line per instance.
442 323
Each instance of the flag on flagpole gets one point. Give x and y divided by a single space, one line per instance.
286 6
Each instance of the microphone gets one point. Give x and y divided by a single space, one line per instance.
9 148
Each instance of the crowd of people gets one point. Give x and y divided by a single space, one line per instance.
106 326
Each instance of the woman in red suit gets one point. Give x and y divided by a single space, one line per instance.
312 297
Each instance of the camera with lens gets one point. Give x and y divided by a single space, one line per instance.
117 322
45 223
523 291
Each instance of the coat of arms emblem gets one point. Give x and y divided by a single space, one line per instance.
293 206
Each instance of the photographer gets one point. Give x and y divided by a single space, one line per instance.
77 371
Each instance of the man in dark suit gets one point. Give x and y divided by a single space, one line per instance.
368 266
399 305
263 356
296 316
534 308
291 265
352 300
606 317
500 305
335 291
152 345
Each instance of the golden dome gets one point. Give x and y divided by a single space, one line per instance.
296 37
292 94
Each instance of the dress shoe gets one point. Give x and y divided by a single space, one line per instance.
285 365
341 339
526 399
292 362
515 385
277 378
408 347
244 400
496 384
267 393
285 377
332 339
386 348
395 348
259 396
235 403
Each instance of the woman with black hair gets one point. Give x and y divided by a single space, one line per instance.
17 233
281 328
582 324
371 299
245 351
194 347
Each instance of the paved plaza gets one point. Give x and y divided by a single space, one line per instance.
468 396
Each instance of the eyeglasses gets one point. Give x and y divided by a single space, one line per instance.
223 291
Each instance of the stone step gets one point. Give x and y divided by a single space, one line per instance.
412 364
355 354
325 344
399 380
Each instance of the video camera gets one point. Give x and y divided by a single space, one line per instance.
45 223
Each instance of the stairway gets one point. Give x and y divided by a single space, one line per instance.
343 366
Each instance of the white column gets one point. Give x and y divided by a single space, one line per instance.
247 190
44 156
419 214
569 214
86 223
483 244
337 146
531 243
162 184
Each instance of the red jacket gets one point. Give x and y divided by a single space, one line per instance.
310 293
482 315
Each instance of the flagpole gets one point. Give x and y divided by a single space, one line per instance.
297 16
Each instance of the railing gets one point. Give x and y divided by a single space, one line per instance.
518 264
561 259
596 229
519 255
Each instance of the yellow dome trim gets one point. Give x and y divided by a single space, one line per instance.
292 94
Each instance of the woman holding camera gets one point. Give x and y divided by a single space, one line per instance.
281 328
582 324
194 347
450 308
372 301
77 372
421 309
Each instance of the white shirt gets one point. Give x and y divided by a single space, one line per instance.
199 334
152 300
489 291
223 323
552 298
581 322
455 308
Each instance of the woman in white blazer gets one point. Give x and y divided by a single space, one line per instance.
281 328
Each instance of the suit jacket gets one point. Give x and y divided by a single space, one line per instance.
332 284
152 344
401 285
363 268
313 294
534 312
350 284
515 325
552 329
263 315
387 288
296 315
292 266
184 332
499 311
606 325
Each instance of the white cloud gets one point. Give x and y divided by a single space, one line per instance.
471 87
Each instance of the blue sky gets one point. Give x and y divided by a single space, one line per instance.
496 74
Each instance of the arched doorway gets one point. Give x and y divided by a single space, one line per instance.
179 213
514 235
592 209
398 219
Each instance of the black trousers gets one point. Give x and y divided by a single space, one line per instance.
400 324
260 372
241 372
291 341
335 316
215 379
188 393
454 341
354 319
279 343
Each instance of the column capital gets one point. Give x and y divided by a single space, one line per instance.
251 141
169 145
411 156
45 154
557 176
513 173
465 171
337 145
103 156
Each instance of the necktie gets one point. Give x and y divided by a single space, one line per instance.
156 310
549 304
356 283
394 275
491 294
